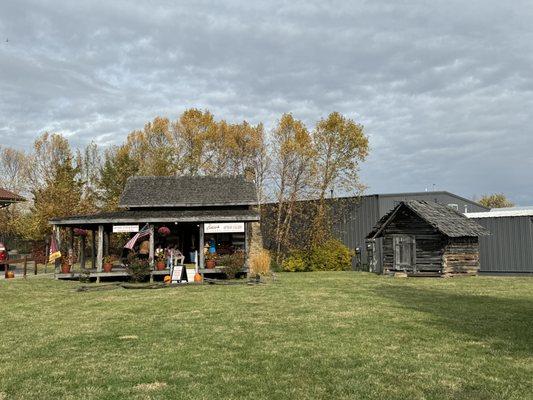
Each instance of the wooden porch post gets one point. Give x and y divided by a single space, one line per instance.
151 254
201 247
82 252
106 243
70 246
247 226
93 249
57 263
100 251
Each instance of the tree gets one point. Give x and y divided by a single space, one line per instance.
153 148
496 200
117 167
195 138
60 195
13 168
293 158
89 162
340 145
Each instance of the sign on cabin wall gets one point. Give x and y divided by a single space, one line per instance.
226 227
125 228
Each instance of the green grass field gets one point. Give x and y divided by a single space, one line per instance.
305 336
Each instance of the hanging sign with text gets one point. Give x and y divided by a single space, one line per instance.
227 227
125 228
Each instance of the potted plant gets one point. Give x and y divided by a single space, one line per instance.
160 260
108 263
210 260
138 269
65 266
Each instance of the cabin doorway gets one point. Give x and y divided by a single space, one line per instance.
404 252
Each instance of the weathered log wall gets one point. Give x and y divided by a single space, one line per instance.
429 242
461 256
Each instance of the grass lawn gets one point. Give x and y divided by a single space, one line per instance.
305 336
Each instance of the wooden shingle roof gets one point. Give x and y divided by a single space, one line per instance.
187 191
161 215
443 218
8 196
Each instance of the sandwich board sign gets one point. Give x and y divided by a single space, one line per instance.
224 227
178 274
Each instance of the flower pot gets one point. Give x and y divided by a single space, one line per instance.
65 269
107 267
210 264
160 265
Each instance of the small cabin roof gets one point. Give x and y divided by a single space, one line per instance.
187 191
10 197
443 218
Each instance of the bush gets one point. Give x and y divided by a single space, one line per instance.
332 255
260 263
233 263
296 262
138 269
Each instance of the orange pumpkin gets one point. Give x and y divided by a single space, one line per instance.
10 275
167 279
198 278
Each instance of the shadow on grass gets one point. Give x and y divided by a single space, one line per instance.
506 324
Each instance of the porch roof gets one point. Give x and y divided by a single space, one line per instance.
139 216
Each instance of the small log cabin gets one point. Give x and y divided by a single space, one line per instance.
426 238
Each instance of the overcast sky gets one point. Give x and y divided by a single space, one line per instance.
444 88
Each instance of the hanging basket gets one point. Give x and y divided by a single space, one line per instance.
79 232
163 231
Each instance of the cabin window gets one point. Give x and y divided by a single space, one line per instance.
454 206
404 251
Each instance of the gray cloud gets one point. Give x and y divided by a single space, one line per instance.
444 88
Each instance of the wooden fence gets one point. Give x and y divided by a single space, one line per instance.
24 261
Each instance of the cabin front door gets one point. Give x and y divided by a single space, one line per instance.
404 252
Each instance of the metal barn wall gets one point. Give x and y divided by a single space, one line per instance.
509 248
357 223
365 213
388 202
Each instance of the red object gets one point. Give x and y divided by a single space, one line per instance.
160 265
3 252
163 231
80 232
65 269
210 264
107 267
3 259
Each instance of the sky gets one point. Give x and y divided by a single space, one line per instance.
443 88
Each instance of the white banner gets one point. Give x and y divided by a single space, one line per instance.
125 228
228 227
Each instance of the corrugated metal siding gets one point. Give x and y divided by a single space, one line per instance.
510 246
358 222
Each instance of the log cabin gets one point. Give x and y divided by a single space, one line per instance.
422 238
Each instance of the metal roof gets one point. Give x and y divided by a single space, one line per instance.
187 191
443 218
503 212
